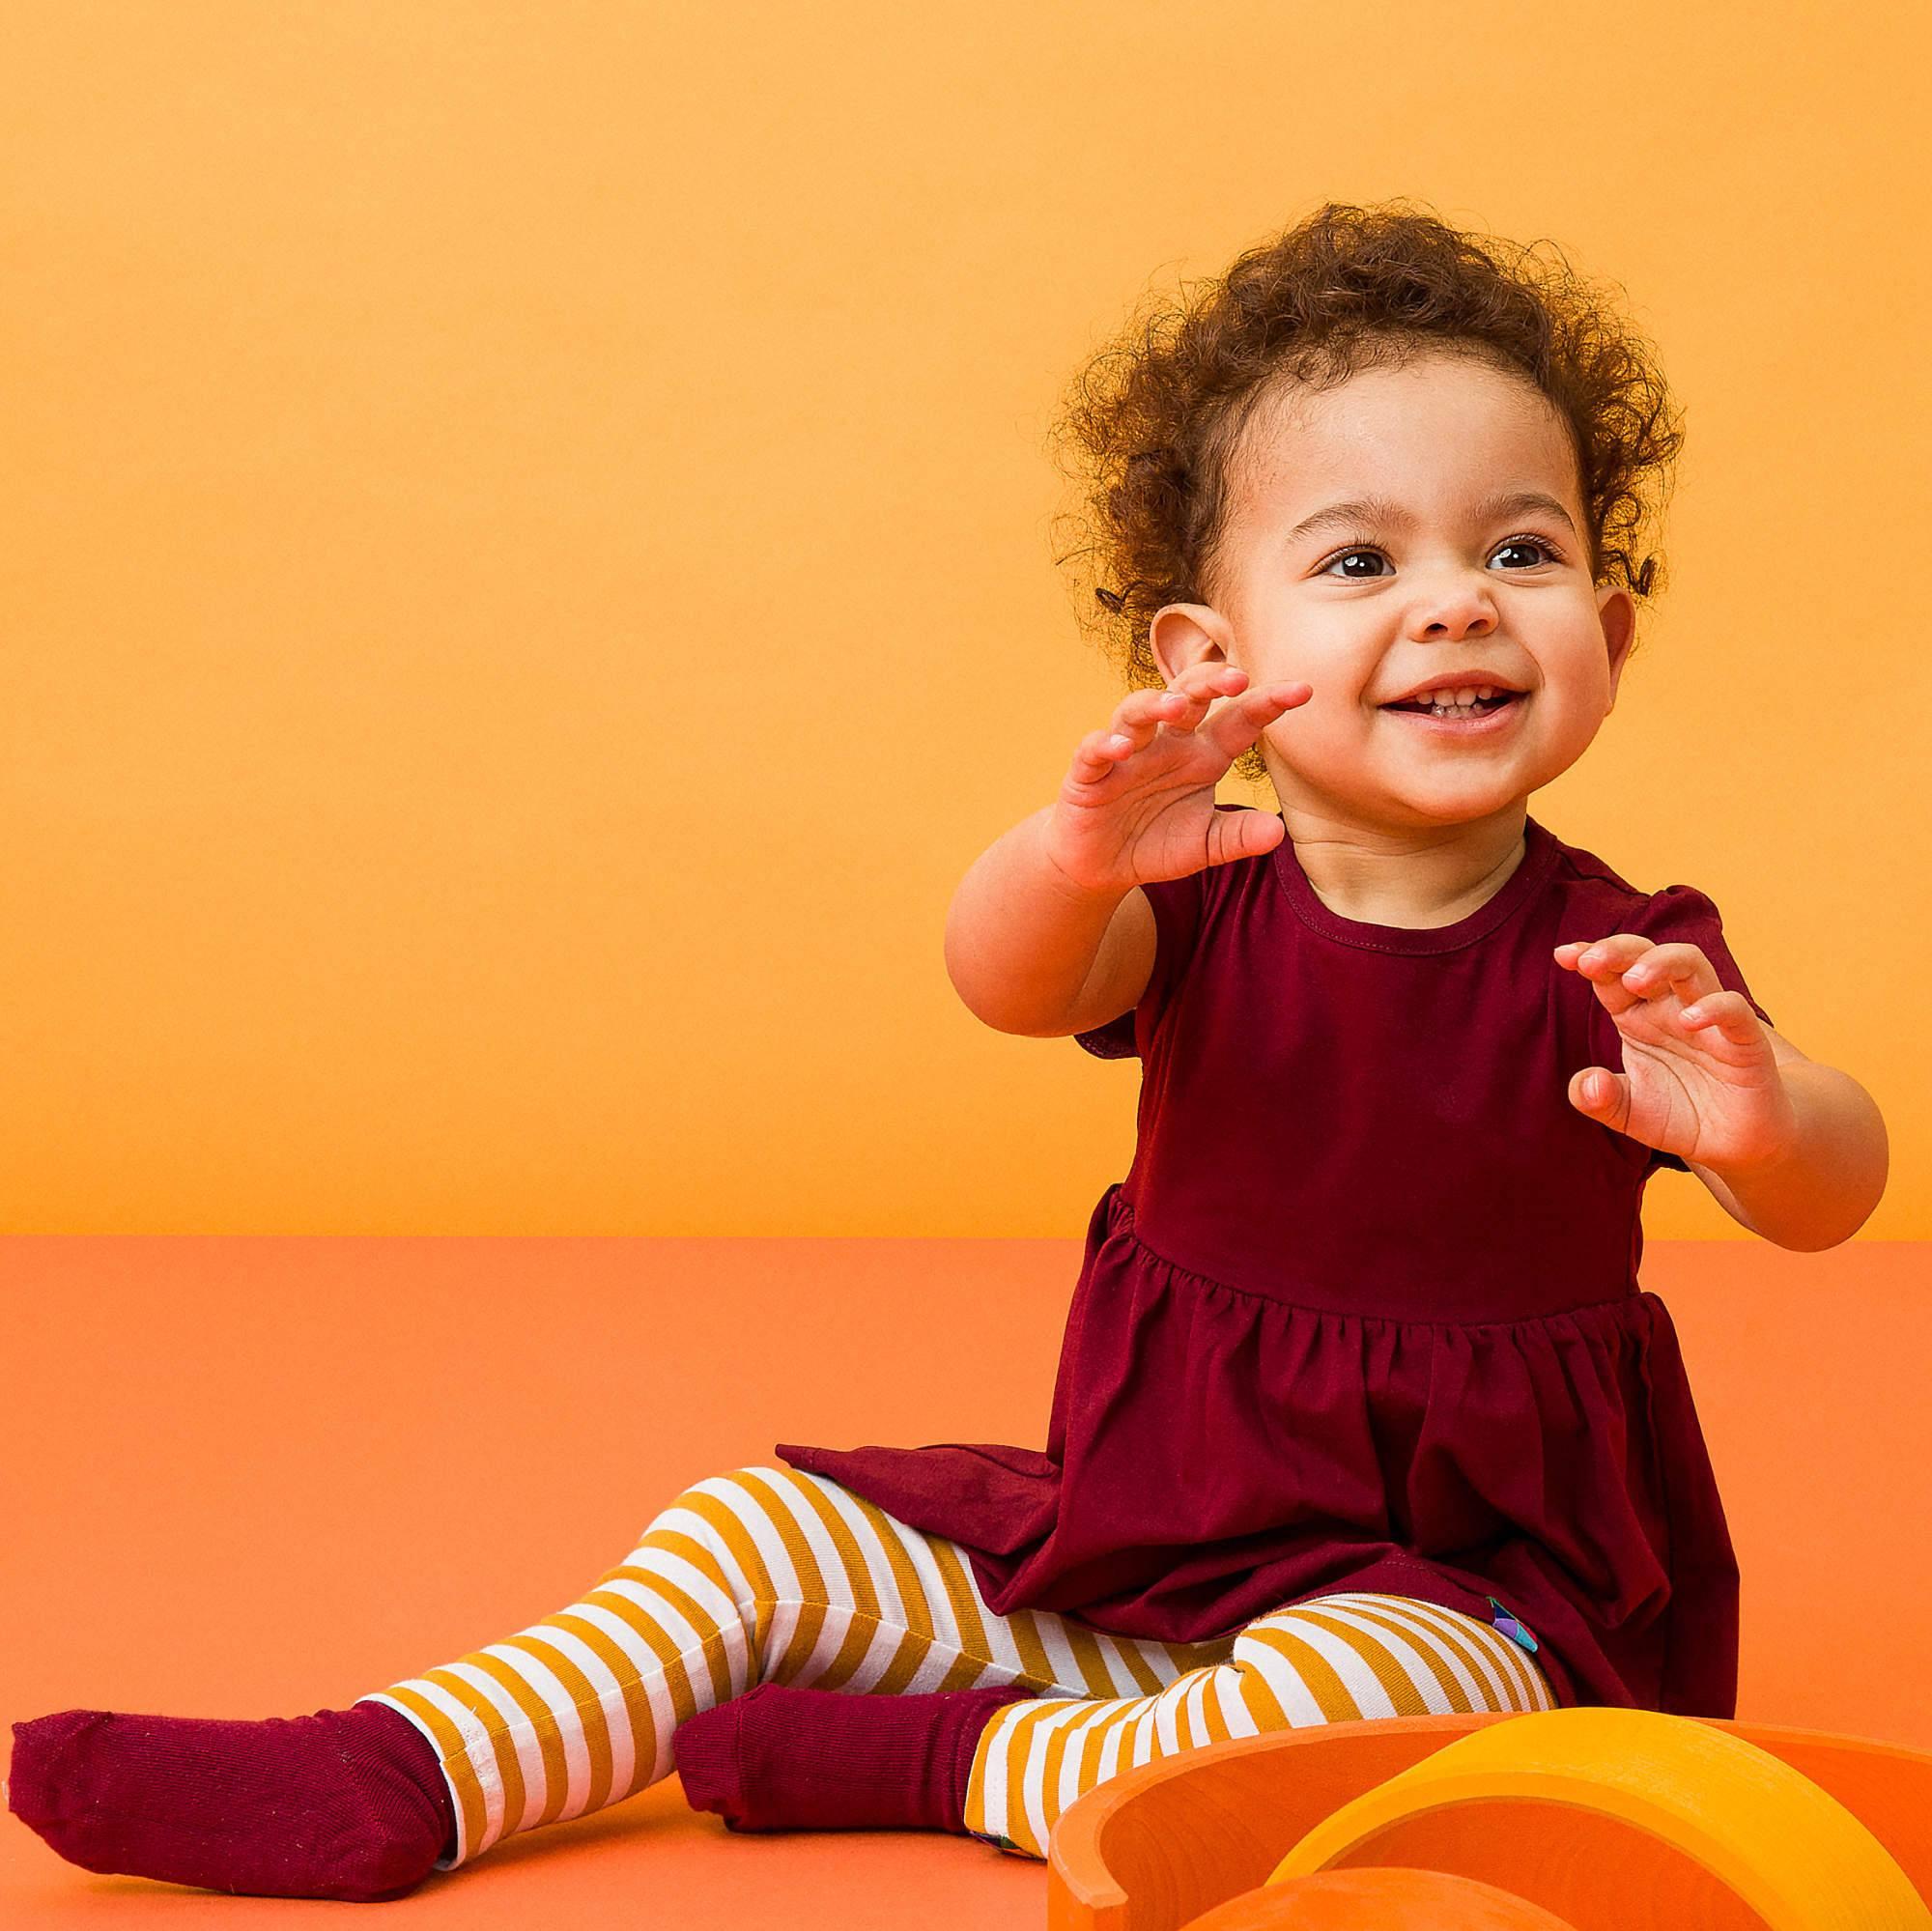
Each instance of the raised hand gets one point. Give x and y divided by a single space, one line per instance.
1138 800
1700 1079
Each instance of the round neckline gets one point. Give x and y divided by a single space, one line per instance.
1532 868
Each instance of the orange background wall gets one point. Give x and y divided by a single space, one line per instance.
527 575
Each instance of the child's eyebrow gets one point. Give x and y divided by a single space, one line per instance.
1379 511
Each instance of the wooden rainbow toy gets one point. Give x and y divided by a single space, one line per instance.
1377 1899
1576 1819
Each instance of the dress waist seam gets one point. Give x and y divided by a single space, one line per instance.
1123 1220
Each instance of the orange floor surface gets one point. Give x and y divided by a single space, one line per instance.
260 1476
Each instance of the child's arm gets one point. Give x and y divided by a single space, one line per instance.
1043 937
1790 1147
1031 952
1823 1187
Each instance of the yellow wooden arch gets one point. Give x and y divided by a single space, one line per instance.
1786 1847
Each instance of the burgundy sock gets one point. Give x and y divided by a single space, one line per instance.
345 1803
780 1758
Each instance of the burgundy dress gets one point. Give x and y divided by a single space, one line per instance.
1364 1314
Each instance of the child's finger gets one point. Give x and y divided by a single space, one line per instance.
1180 707
1603 962
1195 691
1229 681
1102 752
1728 1012
1243 718
1606 958
1140 714
1096 753
1603 1095
1677 966
1137 717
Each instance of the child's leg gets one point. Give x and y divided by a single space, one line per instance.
1339 1659
764 1575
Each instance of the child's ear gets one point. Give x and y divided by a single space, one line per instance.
1616 612
1181 635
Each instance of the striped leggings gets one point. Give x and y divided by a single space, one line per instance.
773 1574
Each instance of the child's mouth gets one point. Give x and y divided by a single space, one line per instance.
1485 717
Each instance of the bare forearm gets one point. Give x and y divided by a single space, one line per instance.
1020 937
1823 1187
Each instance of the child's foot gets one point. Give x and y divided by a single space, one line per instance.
345 1803
780 1758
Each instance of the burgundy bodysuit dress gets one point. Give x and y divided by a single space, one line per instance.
1364 1314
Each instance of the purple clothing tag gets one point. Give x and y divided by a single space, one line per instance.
1508 1626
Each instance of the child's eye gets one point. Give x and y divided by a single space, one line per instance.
1550 555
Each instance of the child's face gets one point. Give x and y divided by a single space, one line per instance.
1436 596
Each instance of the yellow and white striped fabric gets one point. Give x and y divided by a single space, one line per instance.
767 1573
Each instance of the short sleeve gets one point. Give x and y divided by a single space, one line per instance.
1177 922
1682 914
1176 904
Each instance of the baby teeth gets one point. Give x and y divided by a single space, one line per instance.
1456 703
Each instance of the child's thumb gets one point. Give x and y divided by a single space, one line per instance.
1245 832
1600 1094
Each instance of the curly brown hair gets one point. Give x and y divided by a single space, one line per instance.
1153 424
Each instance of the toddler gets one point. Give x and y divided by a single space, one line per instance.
1361 1409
